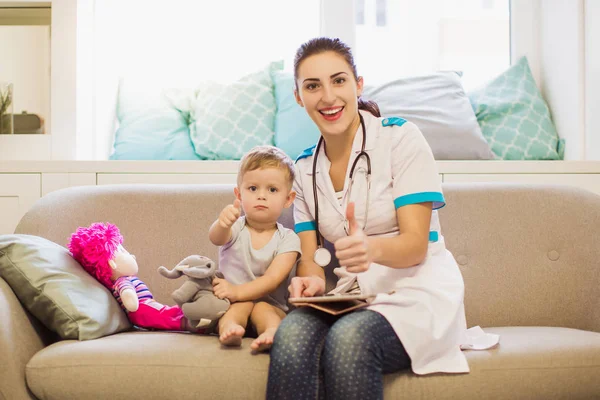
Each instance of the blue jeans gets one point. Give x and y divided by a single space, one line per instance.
316 355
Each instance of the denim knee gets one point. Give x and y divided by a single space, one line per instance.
297 336
349 341
295 354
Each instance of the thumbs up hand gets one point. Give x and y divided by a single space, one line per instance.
352 224
353 250
230 214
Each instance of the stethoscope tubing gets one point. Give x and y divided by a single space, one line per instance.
362 153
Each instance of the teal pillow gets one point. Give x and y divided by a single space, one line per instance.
294 130
515 119
150 127
227 120
54 288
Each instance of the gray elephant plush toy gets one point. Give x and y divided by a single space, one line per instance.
196 297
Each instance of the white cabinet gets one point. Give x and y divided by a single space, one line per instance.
53 181
18 192
590 182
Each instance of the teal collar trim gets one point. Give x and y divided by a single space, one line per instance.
307 152
393 121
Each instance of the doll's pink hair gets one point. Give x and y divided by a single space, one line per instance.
93 247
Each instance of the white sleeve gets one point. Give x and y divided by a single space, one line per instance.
414 171
303 219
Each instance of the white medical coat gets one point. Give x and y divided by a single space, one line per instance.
426 310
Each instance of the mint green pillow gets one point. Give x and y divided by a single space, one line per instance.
515 119
150 125
294 130
55 289
227 120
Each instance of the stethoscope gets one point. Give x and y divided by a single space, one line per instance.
322 256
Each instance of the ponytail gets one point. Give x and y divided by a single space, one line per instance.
370 106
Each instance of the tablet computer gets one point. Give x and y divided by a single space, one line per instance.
331 298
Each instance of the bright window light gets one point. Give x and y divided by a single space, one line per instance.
396 38
186 41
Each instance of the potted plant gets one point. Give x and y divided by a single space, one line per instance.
6 114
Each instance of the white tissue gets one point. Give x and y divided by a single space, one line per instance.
477 339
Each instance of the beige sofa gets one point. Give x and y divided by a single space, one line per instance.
530 259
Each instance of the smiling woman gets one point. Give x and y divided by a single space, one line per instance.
390 248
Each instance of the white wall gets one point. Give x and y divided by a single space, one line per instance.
563 71
63 79
592 80
25 62
551 34
525 34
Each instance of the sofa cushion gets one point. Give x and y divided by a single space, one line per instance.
55 289
529 363
151 365
536 362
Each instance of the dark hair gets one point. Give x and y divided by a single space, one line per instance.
323 44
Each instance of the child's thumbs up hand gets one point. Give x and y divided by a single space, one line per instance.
230 214
353 250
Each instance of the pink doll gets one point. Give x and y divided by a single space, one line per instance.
98 248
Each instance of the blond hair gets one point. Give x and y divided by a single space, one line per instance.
266 157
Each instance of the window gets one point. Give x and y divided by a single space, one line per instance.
182 42
185 41
410 37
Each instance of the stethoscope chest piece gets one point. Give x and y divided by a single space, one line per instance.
322 257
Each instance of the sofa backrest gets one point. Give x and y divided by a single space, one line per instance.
529 255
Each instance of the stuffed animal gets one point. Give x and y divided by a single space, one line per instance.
99 249
196 297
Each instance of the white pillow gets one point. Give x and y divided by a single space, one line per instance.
438 105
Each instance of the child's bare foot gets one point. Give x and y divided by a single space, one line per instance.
231 334
264 341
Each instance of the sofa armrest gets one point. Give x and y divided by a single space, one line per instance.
21 336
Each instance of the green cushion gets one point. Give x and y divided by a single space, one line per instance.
294 130
227 120
515 119
57 290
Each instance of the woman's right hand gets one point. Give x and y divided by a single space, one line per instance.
306 286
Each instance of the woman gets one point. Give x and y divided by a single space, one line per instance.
387 239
